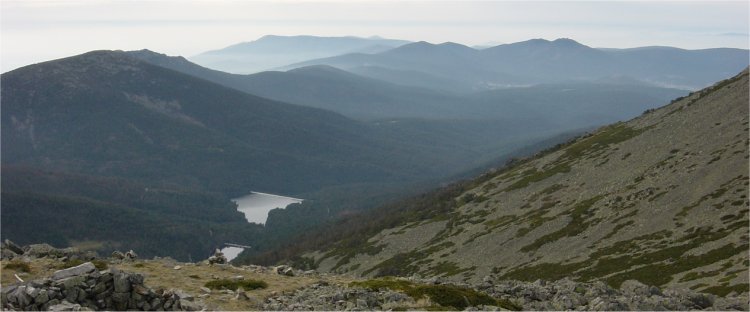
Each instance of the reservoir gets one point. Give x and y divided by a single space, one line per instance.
256 205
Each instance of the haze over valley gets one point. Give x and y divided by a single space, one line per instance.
536 174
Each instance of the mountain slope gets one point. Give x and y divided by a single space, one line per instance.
131 149
273 51
105 113
662 198
540 61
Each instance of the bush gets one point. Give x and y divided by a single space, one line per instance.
18 266
234 284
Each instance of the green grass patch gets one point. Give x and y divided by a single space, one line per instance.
235 284
533 175
577 224
723 290
447 296
600 140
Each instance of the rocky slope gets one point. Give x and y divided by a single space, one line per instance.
54 280
661 199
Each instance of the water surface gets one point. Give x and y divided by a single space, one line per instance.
256 205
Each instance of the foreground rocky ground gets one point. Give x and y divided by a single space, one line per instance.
46 278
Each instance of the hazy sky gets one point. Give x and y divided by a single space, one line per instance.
36 30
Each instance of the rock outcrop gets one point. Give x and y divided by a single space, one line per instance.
539 295
83 287
11 251
217 258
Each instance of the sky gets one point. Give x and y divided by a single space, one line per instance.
33 31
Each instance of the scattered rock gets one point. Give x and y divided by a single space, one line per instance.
285 270
7 244
217 258
82 269
131 255
177 267
83 288
118 255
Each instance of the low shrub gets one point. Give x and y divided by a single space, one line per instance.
18 266
235 284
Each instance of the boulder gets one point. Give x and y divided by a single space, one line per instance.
131 255
634 287
7 254
39 250
217 258
65 306
7 244
82 269
118 255
121 283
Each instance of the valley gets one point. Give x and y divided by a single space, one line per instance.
385 169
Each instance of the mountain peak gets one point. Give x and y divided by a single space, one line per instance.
567 42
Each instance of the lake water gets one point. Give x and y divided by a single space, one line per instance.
231 252
256 205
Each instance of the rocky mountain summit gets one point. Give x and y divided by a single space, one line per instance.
662 199
163 284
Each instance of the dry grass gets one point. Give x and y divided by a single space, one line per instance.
161 274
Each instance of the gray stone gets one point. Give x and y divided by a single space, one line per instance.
50 303
70 282
71 294
121 283
82 269
65 306
131 255
634 287
118 255
82 295
362 304
39 250
42 297
32 291
240 295
7 254
105 277
141 290
135 278
189 306
156 303
701 300
12 247
99 288
120 300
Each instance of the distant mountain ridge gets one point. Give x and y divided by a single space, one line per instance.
364 98
273 51
542 61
